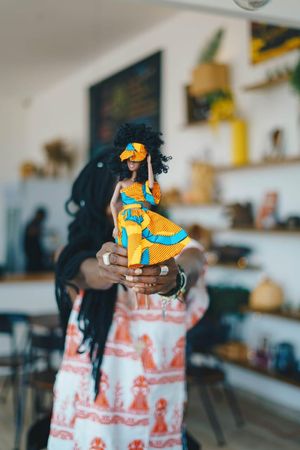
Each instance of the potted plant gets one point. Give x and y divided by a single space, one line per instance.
209 76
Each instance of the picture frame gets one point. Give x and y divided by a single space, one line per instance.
270 41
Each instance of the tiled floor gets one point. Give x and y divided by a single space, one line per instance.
267 427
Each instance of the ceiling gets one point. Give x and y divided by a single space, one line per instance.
276 11
42 41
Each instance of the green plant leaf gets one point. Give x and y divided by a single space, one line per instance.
209 52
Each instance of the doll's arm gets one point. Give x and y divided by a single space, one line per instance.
151 187
150 172
113 204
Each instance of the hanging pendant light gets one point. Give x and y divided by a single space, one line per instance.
251 5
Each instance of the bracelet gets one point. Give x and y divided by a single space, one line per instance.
179 289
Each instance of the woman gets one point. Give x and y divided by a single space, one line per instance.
121 382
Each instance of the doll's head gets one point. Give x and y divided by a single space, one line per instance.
133 143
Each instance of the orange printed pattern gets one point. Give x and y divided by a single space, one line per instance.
140 392
160 426
101 400
97 444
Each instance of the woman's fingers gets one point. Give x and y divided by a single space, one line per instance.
146 279
117 255
112 247
118 260
147 283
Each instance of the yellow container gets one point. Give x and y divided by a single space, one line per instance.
239 142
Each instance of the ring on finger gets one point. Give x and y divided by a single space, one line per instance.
128 277
106 259
164 270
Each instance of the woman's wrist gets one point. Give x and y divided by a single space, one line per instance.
178 290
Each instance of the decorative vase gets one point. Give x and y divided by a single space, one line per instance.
267 296
202 184
239 142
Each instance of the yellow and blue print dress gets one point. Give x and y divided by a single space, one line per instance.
149 237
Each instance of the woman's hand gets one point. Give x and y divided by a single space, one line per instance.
144 280
149 158
152 282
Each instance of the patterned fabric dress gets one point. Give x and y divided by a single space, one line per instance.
149 237
140 404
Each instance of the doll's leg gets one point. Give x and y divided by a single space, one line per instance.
134 233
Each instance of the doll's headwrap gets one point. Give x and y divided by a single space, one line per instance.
135 151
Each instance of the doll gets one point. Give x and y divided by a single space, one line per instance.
149 237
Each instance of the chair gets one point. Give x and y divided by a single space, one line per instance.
39 370
205 377
13 359
42 374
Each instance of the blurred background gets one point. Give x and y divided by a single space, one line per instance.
221 80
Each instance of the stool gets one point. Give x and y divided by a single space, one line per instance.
205 377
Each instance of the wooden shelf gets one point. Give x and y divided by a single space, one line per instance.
276 231
193 205
268 83
235 266
245 364
27 277
288 315
259 165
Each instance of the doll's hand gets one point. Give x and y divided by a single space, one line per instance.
115 232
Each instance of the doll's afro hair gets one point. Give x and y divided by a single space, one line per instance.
150 139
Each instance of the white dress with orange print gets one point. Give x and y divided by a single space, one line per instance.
142 392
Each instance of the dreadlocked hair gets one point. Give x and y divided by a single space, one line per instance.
89 229
145 135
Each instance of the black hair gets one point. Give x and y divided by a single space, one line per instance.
145 135
90 228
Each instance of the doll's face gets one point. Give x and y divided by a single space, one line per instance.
133 165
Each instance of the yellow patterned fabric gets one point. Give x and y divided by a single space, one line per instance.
149 237
134 151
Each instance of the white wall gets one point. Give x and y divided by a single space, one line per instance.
13 137
13 149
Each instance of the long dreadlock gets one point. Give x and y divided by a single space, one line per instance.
90 228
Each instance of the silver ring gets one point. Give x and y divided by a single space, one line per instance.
106 259
128 277
164 270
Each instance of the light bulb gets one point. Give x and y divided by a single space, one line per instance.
251 5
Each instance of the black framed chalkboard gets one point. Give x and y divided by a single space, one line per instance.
132 95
